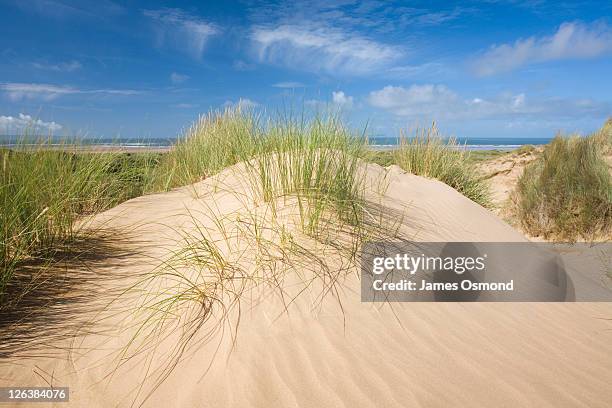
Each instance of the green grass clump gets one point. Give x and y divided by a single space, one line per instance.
317 163
525 150
131 173
479 156
567 193
215 141
603 137
382 157
45 189
428 154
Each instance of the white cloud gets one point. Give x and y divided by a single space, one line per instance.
179 29
571 41
321 48
289 85
416 100
427 102
242 103
177 78
11 124
60 67
17 91
341 99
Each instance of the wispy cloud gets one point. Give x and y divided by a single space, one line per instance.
185 105
427 102
179 29
346 37
12 124
240 65
17 91
571 41
321 49
69 66
428 69
177 78
242 103
62 9
288 85
375 16
434 18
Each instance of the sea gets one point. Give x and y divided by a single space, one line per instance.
471 143
377 142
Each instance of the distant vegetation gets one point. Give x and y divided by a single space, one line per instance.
567 193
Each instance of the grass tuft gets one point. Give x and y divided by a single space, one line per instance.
317 163
428 154
215 141
45 189
567 193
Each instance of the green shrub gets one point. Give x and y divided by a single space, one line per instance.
525 149
567 193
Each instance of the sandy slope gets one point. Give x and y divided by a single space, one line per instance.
339 352
502 174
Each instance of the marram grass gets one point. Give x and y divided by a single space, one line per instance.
427 154
45 189
315 161
214 142
567 193
315 165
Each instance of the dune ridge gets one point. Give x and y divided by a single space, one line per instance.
330 351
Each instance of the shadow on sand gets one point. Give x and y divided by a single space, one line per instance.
53 297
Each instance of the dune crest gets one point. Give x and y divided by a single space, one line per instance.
317 344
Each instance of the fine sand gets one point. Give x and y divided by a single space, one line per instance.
311 348
502 173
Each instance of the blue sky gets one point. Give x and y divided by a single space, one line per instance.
147 69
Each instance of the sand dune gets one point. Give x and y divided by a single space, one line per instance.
331 352
503 173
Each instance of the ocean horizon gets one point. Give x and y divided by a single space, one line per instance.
381 142
471 143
